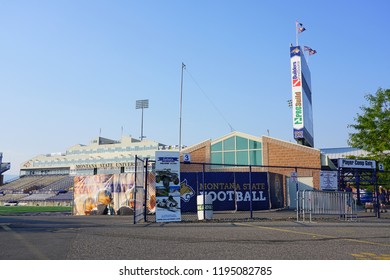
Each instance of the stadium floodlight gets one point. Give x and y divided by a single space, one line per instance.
142 104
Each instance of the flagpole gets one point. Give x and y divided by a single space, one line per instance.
296 34
183 66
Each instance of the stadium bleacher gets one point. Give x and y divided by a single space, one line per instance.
46 190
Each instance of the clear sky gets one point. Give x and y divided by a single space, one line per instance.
69 69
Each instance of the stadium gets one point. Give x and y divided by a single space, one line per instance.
49 179
273 167
241 172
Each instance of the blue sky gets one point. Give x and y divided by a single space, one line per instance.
69 69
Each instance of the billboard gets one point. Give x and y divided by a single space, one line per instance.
301 98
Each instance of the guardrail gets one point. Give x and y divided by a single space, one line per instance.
325 203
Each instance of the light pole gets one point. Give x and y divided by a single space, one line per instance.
142 104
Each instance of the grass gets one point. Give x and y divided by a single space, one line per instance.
15 210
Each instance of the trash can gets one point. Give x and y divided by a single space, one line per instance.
208 207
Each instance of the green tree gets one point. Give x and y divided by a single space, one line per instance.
372 129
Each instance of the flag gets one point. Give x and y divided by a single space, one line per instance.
300 27
309 50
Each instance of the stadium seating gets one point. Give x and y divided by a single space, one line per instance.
39 190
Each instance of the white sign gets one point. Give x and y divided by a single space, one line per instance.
356 163
296 80
168 207
381 167
328 180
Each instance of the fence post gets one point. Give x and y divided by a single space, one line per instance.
204 193
135 189
297 207
378 205
250 191
146 189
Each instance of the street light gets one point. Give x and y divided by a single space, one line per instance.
142 104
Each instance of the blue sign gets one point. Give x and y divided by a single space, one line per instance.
228 190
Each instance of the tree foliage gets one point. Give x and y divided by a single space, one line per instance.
372 127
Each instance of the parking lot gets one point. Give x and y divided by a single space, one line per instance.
278 236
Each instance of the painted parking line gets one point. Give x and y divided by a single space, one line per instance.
315 235
34 250
371 256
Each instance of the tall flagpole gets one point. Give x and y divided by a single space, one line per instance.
183 66
296 34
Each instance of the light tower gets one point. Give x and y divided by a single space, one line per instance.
142 104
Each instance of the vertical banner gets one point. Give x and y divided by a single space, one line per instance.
296 83
168 186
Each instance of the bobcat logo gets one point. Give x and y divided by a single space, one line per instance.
186 191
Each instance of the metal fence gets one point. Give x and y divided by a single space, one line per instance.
311 203
236 191
139 190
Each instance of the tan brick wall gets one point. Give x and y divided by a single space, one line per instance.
199 153
281 153
275 153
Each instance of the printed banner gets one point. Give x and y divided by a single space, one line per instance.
228 190
112 194
168 206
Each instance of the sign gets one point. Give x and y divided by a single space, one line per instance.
296 82
356 163
168 208
381 167
103 165
328 180
186 158
229 191
294 177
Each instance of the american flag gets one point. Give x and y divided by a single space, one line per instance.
300 27
309 50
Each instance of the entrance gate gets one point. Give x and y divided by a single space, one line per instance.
360 173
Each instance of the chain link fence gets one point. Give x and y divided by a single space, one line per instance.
231 192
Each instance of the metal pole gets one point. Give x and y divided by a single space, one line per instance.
142 124
183 66
250 190
378 205
204 193
135 190
146 188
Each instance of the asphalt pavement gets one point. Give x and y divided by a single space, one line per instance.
272 235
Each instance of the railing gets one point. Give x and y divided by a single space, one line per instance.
325 203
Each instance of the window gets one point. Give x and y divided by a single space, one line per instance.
229 158
237 150
241 143
242 157
255 157
216 157
217 147
254 145
229 144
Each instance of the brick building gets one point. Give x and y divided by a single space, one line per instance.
263 154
